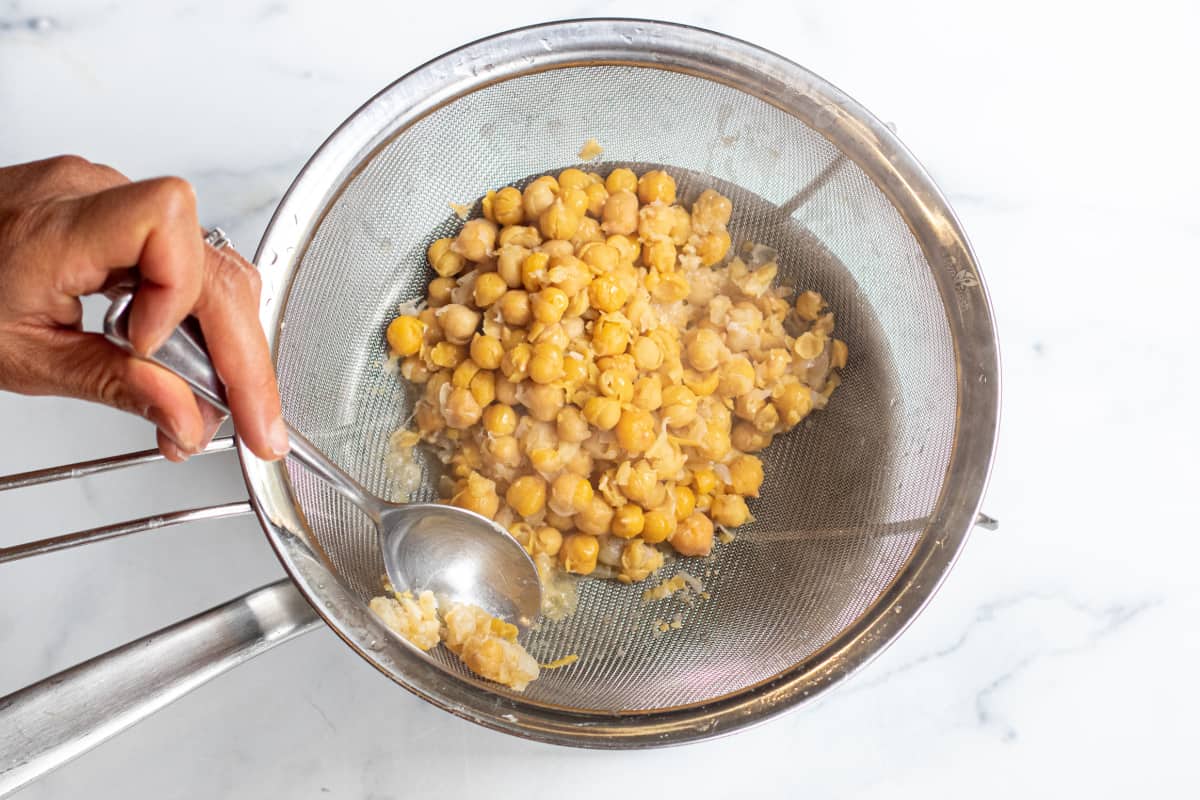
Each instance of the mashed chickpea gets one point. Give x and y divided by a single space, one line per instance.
598 375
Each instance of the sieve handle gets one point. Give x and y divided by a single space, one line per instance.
60 718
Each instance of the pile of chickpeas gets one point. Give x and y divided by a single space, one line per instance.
597 376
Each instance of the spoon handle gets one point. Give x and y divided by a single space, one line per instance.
184 353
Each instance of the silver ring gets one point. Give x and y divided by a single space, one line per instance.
216 239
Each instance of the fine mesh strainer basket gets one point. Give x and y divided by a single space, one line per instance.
865 506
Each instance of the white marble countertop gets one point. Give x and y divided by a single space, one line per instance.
1060 655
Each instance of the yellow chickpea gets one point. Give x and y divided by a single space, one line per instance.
527 495
737 377
558 520
704 480
703 349
478 495
575 369
546 539
569 274
572 178
635 430
638 561
506 391
647 393
693 536
533 270
620 214
515 363
514 307
711 211
767 419
445 262
559 221
575 200
617 385
609 337
405 334
809 305
483 387
508 264
597 196
685 502
579 552
571 426
588 232
715 444
808 345
549 305
413 369
647 355
621 180
486 351
713 247
582 463
628 521
447 355
520 235
570 494
702 384
678 406
440 291
461 410
671 287
499 419
546 366
476 240
463 373
627 249
839 354
523 533
660 255
655 222
538 196
557 248
544 401
606 293
656 186
489 287
658 526
793 403
602 412
730 510
642 486
681 226
507 206
748 439
596 519
458 322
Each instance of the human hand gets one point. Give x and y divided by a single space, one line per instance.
69 227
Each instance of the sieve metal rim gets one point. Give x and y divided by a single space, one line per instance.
783 84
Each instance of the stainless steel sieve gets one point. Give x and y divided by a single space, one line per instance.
865 506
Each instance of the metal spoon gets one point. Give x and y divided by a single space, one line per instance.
450 551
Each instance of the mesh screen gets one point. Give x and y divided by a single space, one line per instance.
845 495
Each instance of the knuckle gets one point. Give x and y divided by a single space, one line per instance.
176 196
230 277
64 166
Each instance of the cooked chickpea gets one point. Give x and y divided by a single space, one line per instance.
546 540
678 406
737 377
685 502
571 425
628 521
809 305
671 287
506 391
793 403
620 214
702 384
489 287
476 240
681 226
657 526
461 376
647 393
655 222
602 412
508 264
638 561
445 354
660 255
575 200
647 354
597 196
559 221
507 206
575 369
544 401
479 495
607 294
579 552
627 249
703 349
458 322
569 274
440 291
413 369
609 337
404 335
572 178
499 419
730 510
713 247
808 345
635 430
445 262
527 495
538 196
582 463
483 387
600 257
621 180
515 363
711 211
570 494
705 481
546 366
656 186
549 304
587 233
596 519
514 307
839 354
693 536
534 269
558 521
486 351
616 384
520 235
748 439
461 410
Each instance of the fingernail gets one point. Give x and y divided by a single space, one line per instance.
277 437
166 425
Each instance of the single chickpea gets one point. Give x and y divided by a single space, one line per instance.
476 240
635 430
681 227
461 410
549 304
533 270
572 178
602 412
579 552
447 355
571 425
508 264
748 405
715 444
582 463
489 287
628 521
499 419
658 526
638 561
600 257
413 369
546 366
693 536
793 402
547 540
671 287
748 439
527 495
538 196
702 384
507 206
515 363
523 533
617 385
520 235
656 186
703 349
621 180
486 351
620 214
544 401
730 510
478 495
737 377
660 255
428 418
839 354
587 233
458 322
711 210
808 346
575 369
514 307
767 419
713 247
596 519
558 521
678 406
557 248
606 293
597 196
647 393
404 335
440 291
483 387
685 502
569 274
809 306
461 377
575 200
627 249
506 391
570 494
642 486
445 262
559 221
609 337
655 222
505 450
704 480
646 353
